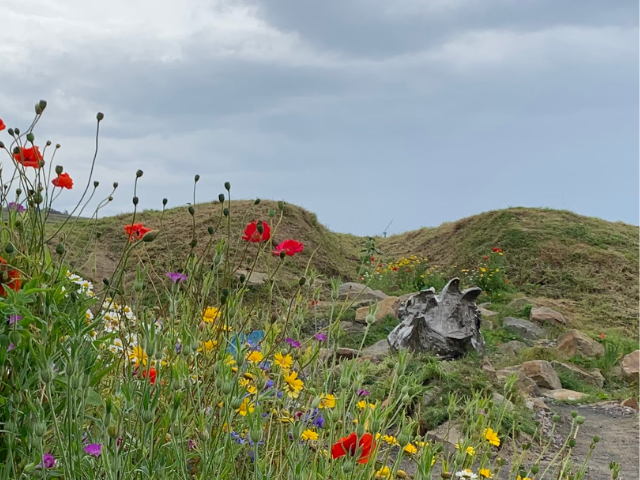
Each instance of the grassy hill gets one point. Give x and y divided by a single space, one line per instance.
585 267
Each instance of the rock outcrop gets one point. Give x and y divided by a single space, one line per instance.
574 342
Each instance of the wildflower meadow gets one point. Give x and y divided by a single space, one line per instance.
196 374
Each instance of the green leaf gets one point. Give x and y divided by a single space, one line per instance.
93 398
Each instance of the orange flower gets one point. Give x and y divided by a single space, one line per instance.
8 278
28 157
63 181
136 231
152 375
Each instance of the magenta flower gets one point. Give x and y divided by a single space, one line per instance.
321 337
14 318
10 347
94 449
363 393
48 461
16 206
292 342
177 277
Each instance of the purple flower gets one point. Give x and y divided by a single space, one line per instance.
119 442
177 277
236 436
321 337
363 393
269 384
10 347
292 342
14 318
94 449
48 461
192 444
16 206
178 347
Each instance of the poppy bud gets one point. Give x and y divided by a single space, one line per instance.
135 200
282 254
227 186
260 228
596 439
38 109
360 430
242 278
226 212
574 414
115 185
256 201
272 213
45 375
110 198
280 206
10 131
403 439
9 248
96 183
572 442
406 400
30 137
105 281
100 116
221 198
347 467
59 169
146 415
236 402
60 249
555 418
579 419
48 144
112 430
150 236
193 243
17 130
255 434
192 211
445 475
139 173
1 144
302 281
227 388
37 198
225 292
196 178
535 469
58 145
40 428
164 201
43 104
211 230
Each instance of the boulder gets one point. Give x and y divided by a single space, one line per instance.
377 351
487 313
447 325
385 308
563 395
574 342
357 291
536 404
342 353
629 366
499 400
401 301
512 348
520 303
593 378
524 328
541 372
630 403
253 279
523 384
546 315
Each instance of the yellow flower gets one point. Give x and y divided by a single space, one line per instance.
208 346
293 385
384 472
482 269
471 451
327 401
401 474
519 477
491 436
410 449
255 356
390 439
485 472
245 408
246 384
210 314
229 360
362 405
421 444
309 435
138 356
283 361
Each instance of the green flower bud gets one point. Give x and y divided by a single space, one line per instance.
255 434
225 212
227 388
404 439
100 116
146 415
316 402
74 382
580 419
59 169
42 104
526 446
186 350
139 173
30 137
105 281
345 382
535 469
60 249
196 178
58 145
17 130
37 198
335 415
282 254
405 390
164 201
360 429
29 468
572 442
302 281
272 213
242 278
112 430
135 200
221 198
347 467
96 184
9 248
211 230
150 236
108 405
1 144
45 375
236 402
574 413
192 211
193 243
39 429
596 439
256 201
406 400
227 186
555 418
37 109
280 206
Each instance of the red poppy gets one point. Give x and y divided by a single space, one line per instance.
28 157
497 250
379 265
408 269
373 259
251 233
289 247
8 277
351 446
602 335
136 231
63 181
486 258
152 375
2 125
314 303
395 269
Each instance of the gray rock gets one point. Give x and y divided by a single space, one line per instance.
524 328
377 351
487 313
448 434
523 384
546 315
357 291
512 348
593 378
351 327
541 372
447 325
253 279
499 399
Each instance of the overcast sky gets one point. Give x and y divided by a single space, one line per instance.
362 111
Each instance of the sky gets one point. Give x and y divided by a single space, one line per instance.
366 112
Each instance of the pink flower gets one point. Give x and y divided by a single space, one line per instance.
289 247
94 449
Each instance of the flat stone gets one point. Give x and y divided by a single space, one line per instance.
536 403
385 308
358 291
630 364
351 327
563 395
524 328
575 342
253 279
342 353
520 303
487 313
377 351
593 378
541 372
512 347
546 315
